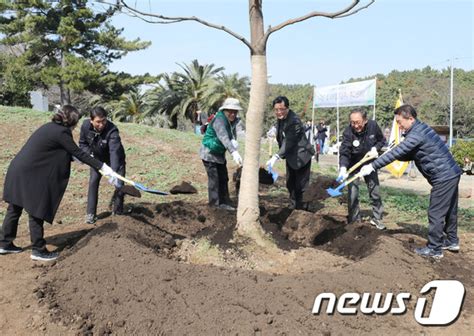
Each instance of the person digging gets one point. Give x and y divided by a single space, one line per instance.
100 139
220 137
360 137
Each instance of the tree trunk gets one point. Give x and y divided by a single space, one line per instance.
63 89
248 215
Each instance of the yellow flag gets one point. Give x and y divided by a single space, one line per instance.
397 168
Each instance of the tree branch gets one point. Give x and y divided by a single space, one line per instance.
122 4
349 10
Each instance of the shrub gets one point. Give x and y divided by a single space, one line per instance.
462 149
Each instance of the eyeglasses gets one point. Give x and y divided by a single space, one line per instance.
357 123
283 109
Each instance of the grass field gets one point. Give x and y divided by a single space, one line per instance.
162 158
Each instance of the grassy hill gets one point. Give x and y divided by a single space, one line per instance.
162 158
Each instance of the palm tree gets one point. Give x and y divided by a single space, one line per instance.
130 107
230 86
183 94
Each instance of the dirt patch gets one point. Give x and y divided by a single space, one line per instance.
125 277
183 188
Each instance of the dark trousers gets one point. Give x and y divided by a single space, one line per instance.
443 214
297 181
373 186
217 180
93 194
10 228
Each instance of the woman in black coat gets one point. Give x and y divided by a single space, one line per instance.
37 179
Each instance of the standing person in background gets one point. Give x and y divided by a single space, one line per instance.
37 179
295 148
437 165
360 137
100 139
220 137
322 135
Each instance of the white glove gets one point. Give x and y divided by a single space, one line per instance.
367 169
272 161
234 143
374 152
114 181
237 158
107 171
342 174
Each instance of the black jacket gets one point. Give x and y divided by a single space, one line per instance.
38 175
355 145
321 132
430 153
105 146
294 146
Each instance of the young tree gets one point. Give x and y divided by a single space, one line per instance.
248 222
65 42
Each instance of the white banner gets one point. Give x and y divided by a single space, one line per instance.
350 94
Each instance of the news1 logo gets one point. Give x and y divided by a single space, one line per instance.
445 307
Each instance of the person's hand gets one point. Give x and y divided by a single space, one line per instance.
367 169
374 152
272 161
342 174
114 181
234 143
237 158
107 171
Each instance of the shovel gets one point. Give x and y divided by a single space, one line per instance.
337 192
367 157
139 186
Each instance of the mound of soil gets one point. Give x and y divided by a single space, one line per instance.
124 278
183 188
316 191
264 177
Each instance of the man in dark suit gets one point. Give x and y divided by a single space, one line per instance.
433 159
295 148
100 138
361 136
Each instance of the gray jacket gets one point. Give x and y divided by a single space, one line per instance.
219 127
430 153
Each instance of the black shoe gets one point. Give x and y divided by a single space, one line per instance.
453 247
91 218
10 249
44 255
377 223
428 253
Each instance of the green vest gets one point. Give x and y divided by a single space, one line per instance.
211 140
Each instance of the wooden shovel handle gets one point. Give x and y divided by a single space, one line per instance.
121 178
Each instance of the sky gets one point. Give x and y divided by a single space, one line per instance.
388 35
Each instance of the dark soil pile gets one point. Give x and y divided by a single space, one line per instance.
122 278
316 191
183 188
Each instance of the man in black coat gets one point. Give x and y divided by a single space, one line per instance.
295 148
321 135
37 179
433 159
360 137
100 138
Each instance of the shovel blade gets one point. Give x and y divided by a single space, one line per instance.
151 191
131 191
334 192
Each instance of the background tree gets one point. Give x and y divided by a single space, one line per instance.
65 42
248 214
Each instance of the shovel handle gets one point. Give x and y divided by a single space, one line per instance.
352 179
121 178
